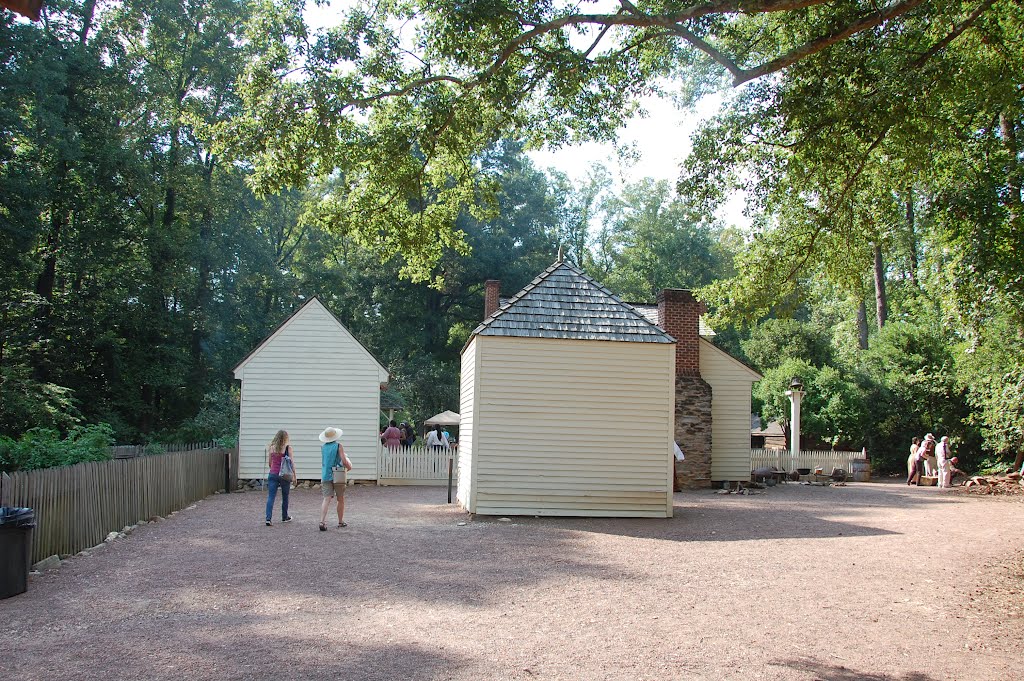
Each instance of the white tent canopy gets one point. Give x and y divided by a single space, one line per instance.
445 418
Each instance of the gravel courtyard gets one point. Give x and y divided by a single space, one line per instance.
869 581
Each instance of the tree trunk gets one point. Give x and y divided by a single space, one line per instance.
1008 130
881 302
88 10
46 281
862 325
912 238
433 325
201 302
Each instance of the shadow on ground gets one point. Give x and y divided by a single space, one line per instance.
823 671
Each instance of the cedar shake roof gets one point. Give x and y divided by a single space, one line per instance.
563 302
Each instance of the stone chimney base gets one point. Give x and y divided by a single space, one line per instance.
693 433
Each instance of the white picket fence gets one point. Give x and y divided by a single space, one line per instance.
825 459
417 465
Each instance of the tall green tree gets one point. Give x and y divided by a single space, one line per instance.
403 113
654 242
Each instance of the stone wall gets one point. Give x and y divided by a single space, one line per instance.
693 432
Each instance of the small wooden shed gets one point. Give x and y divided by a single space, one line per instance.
310 373
567 405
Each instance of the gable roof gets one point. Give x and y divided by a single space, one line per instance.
312 302
563 302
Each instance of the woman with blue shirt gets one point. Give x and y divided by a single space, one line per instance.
332 455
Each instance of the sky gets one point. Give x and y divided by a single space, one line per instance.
662 138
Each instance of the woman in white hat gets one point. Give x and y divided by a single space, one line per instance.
929 455
333 457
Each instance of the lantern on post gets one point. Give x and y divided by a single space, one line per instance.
795 392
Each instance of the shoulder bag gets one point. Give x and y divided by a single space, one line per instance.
287 469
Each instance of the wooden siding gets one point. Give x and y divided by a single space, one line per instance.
309 375
467 387
730 383
569 427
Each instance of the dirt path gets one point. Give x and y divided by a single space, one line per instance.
862 582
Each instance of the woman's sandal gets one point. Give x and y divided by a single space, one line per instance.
342 524
323 527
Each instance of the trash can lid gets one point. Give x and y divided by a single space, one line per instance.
14 515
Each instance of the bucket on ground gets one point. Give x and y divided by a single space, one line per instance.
861 471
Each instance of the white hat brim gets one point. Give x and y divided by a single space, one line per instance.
325 439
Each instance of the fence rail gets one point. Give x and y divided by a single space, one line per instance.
132 451
415 465
77 506
783 459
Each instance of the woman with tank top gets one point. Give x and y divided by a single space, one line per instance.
276 450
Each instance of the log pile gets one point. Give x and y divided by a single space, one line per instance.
1011 483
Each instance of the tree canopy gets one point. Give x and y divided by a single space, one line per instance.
400 95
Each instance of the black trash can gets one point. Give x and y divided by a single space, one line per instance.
16 525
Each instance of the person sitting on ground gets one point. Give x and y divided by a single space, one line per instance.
955 472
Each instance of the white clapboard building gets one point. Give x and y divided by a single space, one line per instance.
566 405
571 398
308 374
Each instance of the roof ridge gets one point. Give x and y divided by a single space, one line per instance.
617 299
574 305
522 292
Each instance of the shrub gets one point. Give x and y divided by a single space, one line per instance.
44 447
217 418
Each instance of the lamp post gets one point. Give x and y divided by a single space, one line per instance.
794 394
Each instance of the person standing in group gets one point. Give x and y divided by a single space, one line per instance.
333 459
391 437
278 448
436 439
945 467
913 474
927 455
408 434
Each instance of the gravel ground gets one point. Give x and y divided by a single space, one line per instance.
869 581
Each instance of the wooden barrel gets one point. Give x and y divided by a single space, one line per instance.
861 471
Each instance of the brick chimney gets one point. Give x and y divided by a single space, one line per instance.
679 314
492 292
